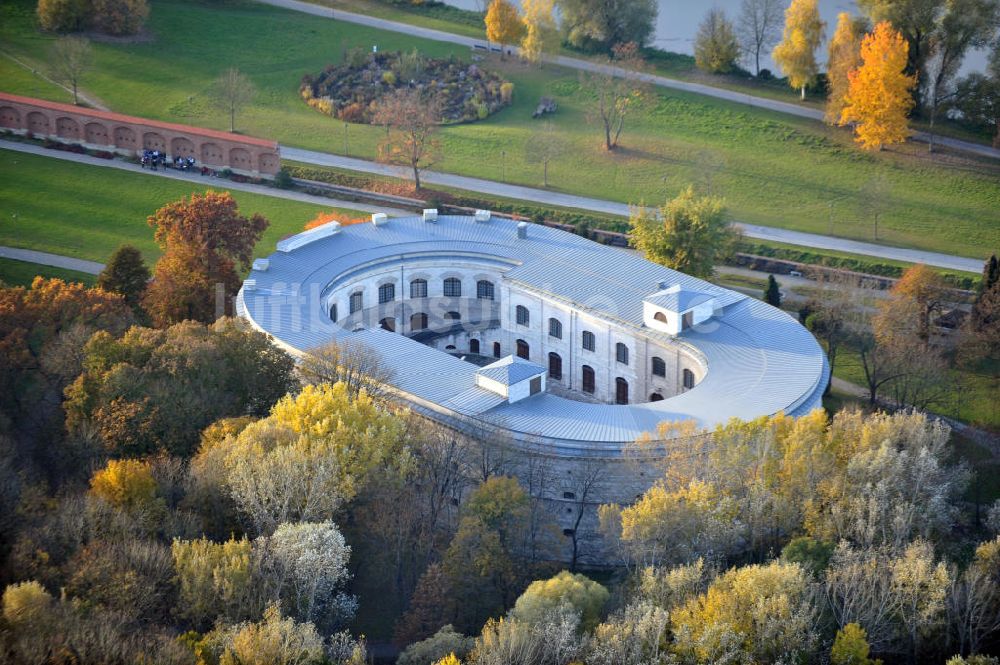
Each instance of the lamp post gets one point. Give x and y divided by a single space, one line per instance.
503 166
347 150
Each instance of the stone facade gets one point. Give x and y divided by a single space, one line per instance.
128 135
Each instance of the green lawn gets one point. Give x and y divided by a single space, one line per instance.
87 211
22 273
772 169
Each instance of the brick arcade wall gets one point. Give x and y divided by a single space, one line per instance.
129 135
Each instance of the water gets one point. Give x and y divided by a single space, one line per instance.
677 24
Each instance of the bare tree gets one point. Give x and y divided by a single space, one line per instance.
411 122
587 482
759 28
617 87
71 59
544 146
351 362
232 91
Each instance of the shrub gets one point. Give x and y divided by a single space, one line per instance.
63 15
506 92
388 78
283 179
120 17
25 604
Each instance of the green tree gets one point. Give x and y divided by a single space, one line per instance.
125 273
813 555
716 48
689 233
850 647
584 595
772 294
603 24
215 580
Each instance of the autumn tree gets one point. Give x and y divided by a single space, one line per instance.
353 363
412 122
962 25
127 483
542 597
216 581
796 53
63 15
689 233
758 28
913 302
539 28
879 92
544 146
600 25
119 17
205 240
973 601
844 56
616 92
158 389
503 24
71 59
716 48
125 273
231 93
850 647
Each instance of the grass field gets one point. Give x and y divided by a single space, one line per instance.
772 169
22 273
86 212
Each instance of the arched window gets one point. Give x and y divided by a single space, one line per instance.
589 382
659 367
621 391
660 316
523 317
452 287
588 341
418 288
388 323
333 313
621 353
452 316
555 328
484 289
474 346
523 350
688 379
656 397
357 301
418 321
555 366
386 293
496 349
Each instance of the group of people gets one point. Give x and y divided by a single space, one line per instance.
155 158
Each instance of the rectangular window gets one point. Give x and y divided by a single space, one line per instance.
418 288
536 385
484 290
452 288
386 293
357 302
588 340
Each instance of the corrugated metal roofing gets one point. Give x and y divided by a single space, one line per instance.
677 299
759 359
511 370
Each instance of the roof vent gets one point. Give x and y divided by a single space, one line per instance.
306 237
522 230
430 214
250 285
380 218
261 264
482 215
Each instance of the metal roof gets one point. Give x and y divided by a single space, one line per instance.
678 299
511 370
759 359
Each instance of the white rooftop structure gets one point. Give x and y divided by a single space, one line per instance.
597 324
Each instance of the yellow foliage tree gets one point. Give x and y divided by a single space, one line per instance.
450 659
503 25
796 53
844 57
125 483
539 26
879 94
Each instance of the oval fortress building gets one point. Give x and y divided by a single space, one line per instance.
572 349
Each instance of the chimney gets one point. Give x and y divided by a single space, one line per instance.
482 215
380 219
522 230
430 214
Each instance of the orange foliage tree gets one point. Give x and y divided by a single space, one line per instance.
844 57
879 94
204 239
503 25
332 216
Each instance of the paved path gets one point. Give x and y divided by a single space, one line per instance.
55 260
587 65
520 192
201 181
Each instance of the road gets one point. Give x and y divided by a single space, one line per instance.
520 192
589 66
200 180
55 260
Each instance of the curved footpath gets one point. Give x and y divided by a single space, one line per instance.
586 65
813 240
947 261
